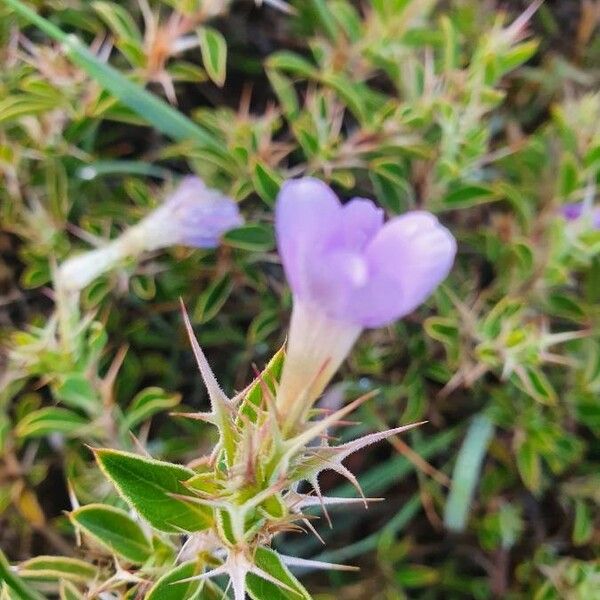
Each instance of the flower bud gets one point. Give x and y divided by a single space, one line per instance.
194 215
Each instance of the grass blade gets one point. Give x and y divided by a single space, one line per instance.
151 108
466 472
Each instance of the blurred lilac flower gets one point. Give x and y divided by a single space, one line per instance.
576 210
348 270
193 215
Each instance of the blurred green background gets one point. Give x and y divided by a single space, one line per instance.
468 109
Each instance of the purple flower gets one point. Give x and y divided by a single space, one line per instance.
344 260
348 270
193 215
577 210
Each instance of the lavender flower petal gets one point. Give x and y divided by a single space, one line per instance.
572 211
577 210
348 264
201 214
408 259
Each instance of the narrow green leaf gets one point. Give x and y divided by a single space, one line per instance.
69 591
583 527
50 420
263 325
529 465
214 53
146 403
286 94
58 567
266 182
76 391
291 63
466 472
516 56
20 105
470 195
148 484
14 583
324 15
352 94
114 529
118 19
533 381
261 589
253 236
416 576
212 299
168 587
347 18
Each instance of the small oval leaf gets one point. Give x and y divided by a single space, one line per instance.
214 53
114 529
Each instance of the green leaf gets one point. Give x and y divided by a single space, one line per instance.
58 567
348 18
255 237
148 484
323 14
261 589
212 299
5 429
262 326
583 527
266 182
286 94
443 329
529 465
214 53
470 195
416 576
146 403
68 591
14 583
77 392
516 56
269 377
168 588
466 473
50 420
14 107
118 19
291 63
568 176
352 94
535 383
114 529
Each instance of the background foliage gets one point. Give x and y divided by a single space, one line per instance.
448 106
